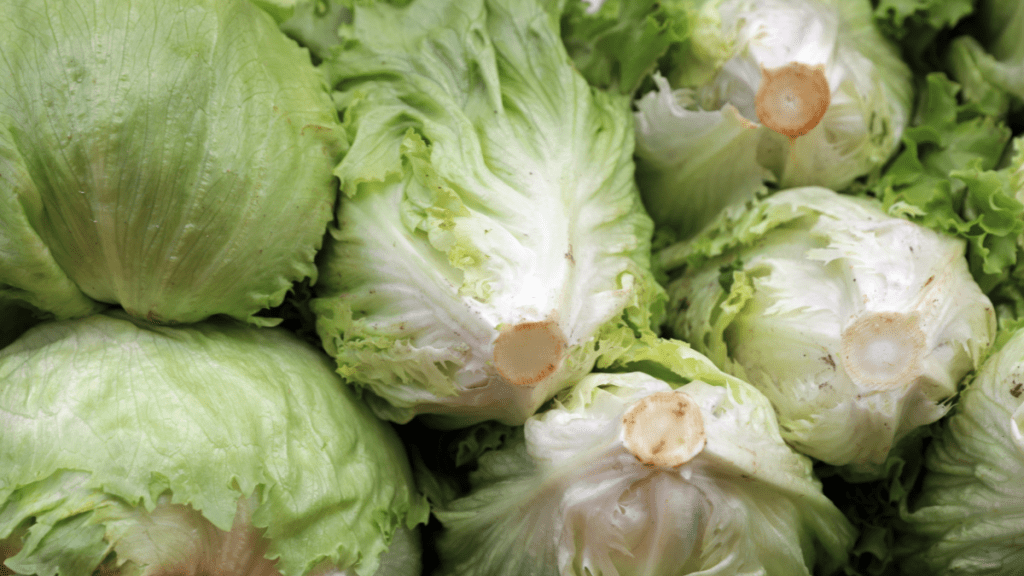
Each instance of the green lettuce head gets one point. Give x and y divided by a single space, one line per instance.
218 448
857 325
173 158
491 244
790 92
631 475
968 517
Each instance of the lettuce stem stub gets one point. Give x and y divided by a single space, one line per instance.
664 429
526 353
883 350
792 99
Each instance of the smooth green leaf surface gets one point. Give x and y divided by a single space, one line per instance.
173 158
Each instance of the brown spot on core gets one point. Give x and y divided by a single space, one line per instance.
792 99
527 353
664 429
883 350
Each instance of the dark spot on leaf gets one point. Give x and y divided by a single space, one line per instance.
658 447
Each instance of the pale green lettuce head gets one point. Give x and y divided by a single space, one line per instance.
170 447
857 325
704 138
173 158
968 517
630 475
491 244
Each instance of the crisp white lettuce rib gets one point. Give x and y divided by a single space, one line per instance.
858 326
488 187
567 496
216 448
736 41
968 517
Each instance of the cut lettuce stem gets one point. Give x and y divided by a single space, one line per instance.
884 349
664 429
527 353
792 99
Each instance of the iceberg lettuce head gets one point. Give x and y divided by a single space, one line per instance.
788 92
217 448
630 475
173 158
968 517
491 243
857 325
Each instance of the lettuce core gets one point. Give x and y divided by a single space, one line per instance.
526 353
883 350
664 429
792 99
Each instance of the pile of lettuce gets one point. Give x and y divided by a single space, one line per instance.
509 287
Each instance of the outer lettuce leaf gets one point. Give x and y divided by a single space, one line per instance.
1009 295
564 496
315 23
279 10
105 417
173 158
787 292
700 160
969 515
944 179
920 26
616 45
990 65
901 17
487 186
28 272
714 81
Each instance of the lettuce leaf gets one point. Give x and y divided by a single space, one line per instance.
108 421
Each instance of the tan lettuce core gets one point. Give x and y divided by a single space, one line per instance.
525 354
792 99
664 429
883 350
